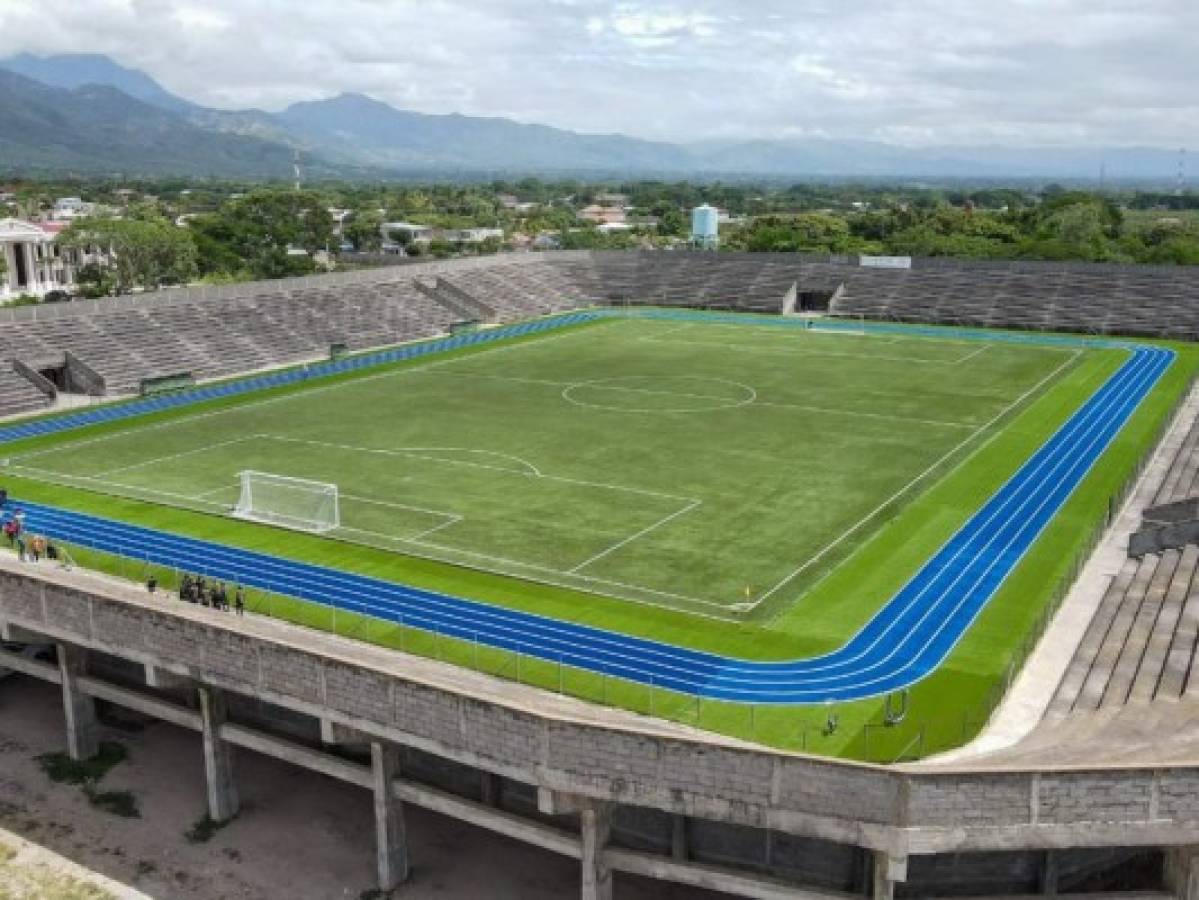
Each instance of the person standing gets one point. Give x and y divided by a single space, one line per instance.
239 601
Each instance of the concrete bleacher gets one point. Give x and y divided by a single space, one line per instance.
218 332
1141 642
750 282
212 338
1154 301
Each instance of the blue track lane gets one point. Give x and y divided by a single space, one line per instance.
907 639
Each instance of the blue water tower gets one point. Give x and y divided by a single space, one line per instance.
705 227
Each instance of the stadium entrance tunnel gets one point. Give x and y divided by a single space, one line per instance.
67 375
814 300
660 394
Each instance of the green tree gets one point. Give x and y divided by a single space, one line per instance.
672 223
261 228
365 231
135 253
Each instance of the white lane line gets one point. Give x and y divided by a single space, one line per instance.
824 551
633 537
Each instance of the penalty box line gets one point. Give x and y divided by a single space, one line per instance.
531 471
923 475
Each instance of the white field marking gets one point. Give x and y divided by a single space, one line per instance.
632 537
690 503
171 456
445 553
492 377
907 487
879 336
393 505
599 384
812 351
941 423
889 396
454 520
131 489
526 467
309 391
755 400
969 356
231 488
532 472
719 402
552 571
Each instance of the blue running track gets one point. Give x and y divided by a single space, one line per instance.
907 639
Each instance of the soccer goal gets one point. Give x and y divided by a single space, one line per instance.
839 323
288 502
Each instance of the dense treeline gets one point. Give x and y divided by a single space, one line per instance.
1061 226
173 231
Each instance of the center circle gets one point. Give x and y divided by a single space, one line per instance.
660 394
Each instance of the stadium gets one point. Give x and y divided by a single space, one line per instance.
767 574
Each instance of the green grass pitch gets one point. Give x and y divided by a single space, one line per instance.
742 488
710 468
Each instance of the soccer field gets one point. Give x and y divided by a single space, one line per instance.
714 468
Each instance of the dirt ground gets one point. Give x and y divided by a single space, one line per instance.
300 836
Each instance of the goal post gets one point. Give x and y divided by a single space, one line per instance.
843 323
296 503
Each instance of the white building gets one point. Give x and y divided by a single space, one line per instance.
418 233
33 261
472 235
67 208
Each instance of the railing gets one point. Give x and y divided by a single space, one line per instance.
36 378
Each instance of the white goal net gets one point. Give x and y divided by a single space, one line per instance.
289 502
839 323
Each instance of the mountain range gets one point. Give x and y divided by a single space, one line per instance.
85 113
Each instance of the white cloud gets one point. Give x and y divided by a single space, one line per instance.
917 72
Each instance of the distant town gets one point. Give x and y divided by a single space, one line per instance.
99 237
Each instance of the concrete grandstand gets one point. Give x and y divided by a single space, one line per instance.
1097 793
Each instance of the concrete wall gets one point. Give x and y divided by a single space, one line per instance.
569 747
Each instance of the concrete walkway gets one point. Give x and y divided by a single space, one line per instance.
1024 707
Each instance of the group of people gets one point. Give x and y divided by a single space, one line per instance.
31 547
214 594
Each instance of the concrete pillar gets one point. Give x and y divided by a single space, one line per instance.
889 870
31 273
1047 882
489 789
595 824
391 838
678 837
223 801
9 277
1182 872
79 709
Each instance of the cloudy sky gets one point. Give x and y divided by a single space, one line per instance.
1023 72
